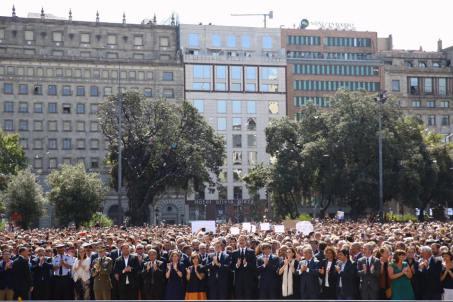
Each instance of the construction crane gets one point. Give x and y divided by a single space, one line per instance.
270 14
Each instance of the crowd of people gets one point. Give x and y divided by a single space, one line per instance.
350 260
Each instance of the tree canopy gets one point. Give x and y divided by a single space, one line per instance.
76 194
164 146
24 199
331 156
12 157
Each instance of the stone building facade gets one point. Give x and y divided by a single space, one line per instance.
55 73
235 77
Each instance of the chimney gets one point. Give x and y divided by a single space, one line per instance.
439 45
390 42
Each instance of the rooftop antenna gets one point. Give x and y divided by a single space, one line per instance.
270 14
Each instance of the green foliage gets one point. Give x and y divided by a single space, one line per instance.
76 194
99 219
2 226
164 146
391 217
24 199
304 217
333 155
12 157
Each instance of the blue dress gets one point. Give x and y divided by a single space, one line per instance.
176 286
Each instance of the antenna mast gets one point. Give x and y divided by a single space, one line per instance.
270 14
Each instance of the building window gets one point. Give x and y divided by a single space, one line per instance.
57 36
396 85
413 84
85 38
220 72
138 40
66 108
231 41
23 107
8 125
442 86
199 105
221 124
237 123
111 39
80 91
445 120
94 108
53 163
52 126
67 90
236 72
38 108
23 125
23 89
37 144
422 64
252 158
7 88
251 87
80 143
251 124
37 125
37 163
167 76
237 141
267 42
94 144
220 86
80 108
236 106
237 193
80 126
251 140
215 41
431 104
164 42
52 90
52 144
67 144
52 108
8 107
250 73
202 71
148 92
431 120
94 163
245 41
251 107
24 143
94 91
194 40
29 35
67 161
67 126
168 93
444 104
108 91
237 174
416 104
428 86
94 126
221 107
237 157
201 86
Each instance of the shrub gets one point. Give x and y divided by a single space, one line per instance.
304 217
99 219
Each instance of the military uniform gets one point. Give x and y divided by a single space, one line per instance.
101 271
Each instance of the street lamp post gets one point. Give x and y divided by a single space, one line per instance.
381 98
120 164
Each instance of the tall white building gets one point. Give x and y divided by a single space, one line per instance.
235 77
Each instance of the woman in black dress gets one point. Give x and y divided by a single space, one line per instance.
175 289
196 279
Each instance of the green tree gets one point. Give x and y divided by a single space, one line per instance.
24 199
76 194
12 157
164 146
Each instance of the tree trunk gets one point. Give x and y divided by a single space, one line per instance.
421 215
322 212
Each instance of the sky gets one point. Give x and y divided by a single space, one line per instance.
411 22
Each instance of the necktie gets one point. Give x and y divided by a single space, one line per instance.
60 272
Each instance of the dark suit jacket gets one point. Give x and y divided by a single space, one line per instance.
268 276
114 254
22 278
245 275
132 276
309 283
431 288
41 274
153 281
349 281
369 280
320 256
333 275
219 276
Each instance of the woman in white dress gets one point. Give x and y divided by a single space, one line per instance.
81 275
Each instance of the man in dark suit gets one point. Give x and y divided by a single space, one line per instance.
126 270
429 270
41 268
219 271
243 264
185 255
268 265
153 278
320 255
347 287
308 271
368 268
22 278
